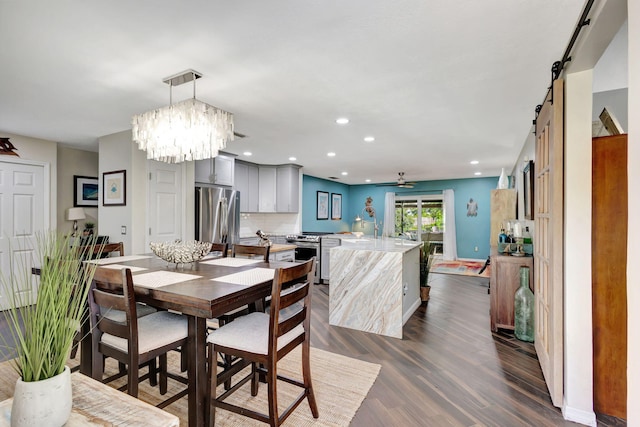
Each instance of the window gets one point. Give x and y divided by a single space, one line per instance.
418 215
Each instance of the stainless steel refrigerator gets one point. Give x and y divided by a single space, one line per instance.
217 215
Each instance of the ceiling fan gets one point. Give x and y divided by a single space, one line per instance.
402 183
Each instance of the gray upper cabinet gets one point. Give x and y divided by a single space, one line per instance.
246 181
287 188
267 185
218 171
268 189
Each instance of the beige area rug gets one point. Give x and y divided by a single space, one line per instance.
340 384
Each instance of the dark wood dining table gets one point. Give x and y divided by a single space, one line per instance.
198 299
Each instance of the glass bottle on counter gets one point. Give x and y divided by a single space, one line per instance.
526 236
502 238
524 309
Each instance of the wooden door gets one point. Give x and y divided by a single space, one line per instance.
609 275
165 208
22 210
549 240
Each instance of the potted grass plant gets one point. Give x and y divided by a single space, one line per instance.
426 260
43 330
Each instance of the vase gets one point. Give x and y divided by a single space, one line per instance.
42 403
524 308
424 293
503 181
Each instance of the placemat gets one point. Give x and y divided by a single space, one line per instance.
156 279
248 277
232 262
117 259
121 266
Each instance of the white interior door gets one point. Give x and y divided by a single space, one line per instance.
22 215
166 207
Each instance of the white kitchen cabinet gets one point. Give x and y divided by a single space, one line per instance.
219 170
246 181
287 188
288 255
267 188
326 243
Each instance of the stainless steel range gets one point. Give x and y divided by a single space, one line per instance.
307 247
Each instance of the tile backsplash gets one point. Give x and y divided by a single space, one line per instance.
272 223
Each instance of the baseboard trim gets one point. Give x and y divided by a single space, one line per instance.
411 310
587 418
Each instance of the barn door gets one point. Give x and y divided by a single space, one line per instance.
548 261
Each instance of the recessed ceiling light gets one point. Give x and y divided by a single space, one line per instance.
331 154
345 173
342 121
474 162
292 159
247 153
369 139
367 180
478 173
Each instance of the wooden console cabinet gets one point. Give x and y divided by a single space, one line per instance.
505 280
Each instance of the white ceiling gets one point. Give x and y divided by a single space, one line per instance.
437 83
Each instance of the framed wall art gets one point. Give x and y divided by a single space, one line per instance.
336 206
527 183
322 205
114 188
85 191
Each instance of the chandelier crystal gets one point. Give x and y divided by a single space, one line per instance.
188 130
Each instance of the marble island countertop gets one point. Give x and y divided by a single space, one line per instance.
379 245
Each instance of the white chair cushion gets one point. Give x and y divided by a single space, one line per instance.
119 316
154 331
250 333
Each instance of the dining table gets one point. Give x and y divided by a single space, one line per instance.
201 290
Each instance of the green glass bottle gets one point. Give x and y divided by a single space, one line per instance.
524 308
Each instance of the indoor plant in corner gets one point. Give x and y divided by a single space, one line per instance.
425 265
43 332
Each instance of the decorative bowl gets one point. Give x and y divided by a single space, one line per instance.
180 252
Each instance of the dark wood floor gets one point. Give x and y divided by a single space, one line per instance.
449 369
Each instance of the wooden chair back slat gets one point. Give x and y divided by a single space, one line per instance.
220 247
252 250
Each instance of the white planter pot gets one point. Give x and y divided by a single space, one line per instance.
42 403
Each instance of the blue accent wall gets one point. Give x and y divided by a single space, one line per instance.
311 185
471 231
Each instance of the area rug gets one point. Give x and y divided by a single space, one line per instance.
464 268
340 384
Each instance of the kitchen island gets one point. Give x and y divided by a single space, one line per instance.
374 284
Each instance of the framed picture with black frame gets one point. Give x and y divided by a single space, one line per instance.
528 190
114 188
322 205
336 206
85 191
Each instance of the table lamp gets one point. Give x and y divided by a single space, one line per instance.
74 214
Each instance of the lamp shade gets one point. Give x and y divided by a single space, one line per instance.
74 214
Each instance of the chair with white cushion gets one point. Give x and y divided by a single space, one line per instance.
263 339
131 340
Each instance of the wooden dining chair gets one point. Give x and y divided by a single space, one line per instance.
223 248
100 250
251 251
263 339
134 341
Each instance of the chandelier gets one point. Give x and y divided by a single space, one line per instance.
187 130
